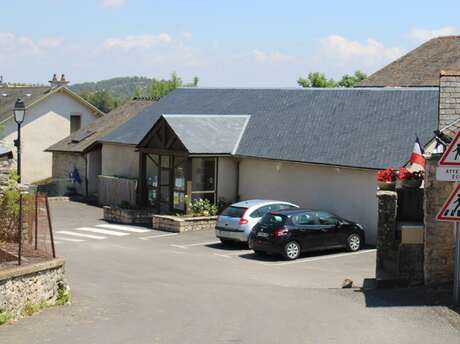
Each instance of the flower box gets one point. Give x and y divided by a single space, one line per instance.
128 216
178 224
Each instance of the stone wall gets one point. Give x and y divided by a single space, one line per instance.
387 245
63 164
128 216
30 284
449 97
177 224
439 236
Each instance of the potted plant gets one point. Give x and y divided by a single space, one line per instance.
386 179
410 179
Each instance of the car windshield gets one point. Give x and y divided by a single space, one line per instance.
273 219
234 211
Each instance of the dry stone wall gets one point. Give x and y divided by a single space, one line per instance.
31 284
439 236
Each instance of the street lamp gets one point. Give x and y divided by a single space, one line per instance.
19 113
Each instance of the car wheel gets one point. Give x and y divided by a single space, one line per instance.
354 242
291 250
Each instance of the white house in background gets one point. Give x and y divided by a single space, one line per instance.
52 113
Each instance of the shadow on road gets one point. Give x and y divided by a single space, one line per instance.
407 297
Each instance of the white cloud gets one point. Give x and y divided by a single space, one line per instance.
187 35
271 57
143 42
113 4
338 52
12 45
422 35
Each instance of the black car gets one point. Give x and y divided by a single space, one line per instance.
293 231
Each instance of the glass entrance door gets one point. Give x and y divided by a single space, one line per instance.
165 182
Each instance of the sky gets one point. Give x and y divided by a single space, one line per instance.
225 43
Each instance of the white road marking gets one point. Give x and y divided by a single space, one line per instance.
158 236
195 244
132 229
314 259
101 231
68 239
222 255
88 236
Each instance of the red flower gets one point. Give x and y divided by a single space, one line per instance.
388 175
405 174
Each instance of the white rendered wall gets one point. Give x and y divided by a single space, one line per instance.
350 193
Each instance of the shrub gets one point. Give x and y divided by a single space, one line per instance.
9 208
5 317
64 296
202 207
405 174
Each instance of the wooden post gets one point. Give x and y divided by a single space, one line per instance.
20 230
36 221
48 213
188 187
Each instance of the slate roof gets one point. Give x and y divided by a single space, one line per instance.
421 66
197 131
360 127
85 138
9 95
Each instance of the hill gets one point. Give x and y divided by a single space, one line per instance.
121 87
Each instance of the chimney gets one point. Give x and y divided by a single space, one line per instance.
54 82
449 97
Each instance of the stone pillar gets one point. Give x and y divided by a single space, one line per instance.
439 236
449 97
387 244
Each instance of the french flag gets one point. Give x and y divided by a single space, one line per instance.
417 161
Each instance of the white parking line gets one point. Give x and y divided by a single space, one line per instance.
88 236
132 229
68 239
101 231
195 244
158 236
314 259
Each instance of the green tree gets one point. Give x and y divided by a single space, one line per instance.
160 88
317 79
351 80
102 99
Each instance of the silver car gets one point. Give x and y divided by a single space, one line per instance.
236 221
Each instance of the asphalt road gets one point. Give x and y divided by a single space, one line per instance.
153 287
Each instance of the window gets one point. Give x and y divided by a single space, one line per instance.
234 212
305 219
326 218
268 208
75 123
204 179
270 219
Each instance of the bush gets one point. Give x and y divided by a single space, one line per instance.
9 208
201 207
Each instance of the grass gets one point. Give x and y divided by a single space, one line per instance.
64 296
5 317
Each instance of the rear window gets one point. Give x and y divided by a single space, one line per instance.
234 211
273 219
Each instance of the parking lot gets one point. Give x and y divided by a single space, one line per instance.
188 288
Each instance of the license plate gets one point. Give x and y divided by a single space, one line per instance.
262 235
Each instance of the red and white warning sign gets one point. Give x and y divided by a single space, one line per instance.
451 156
450 211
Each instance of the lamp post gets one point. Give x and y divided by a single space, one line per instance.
19 112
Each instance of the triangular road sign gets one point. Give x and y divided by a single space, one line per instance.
450 211
451 156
